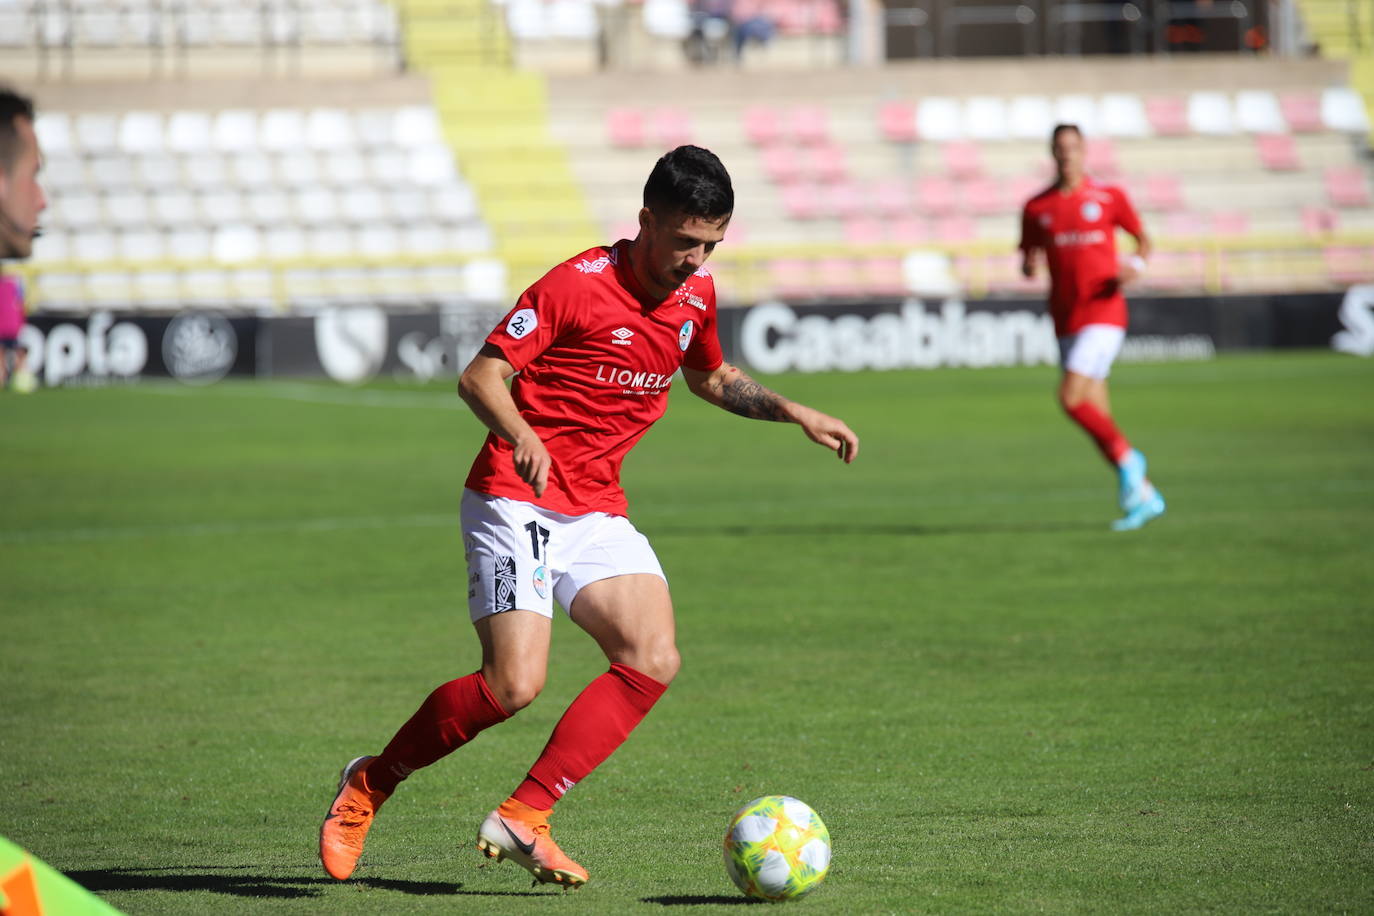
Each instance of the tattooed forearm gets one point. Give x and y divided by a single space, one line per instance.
746 397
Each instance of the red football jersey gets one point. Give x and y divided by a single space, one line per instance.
595 357
1077 232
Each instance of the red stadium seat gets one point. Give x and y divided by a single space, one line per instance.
1167 114
781 164
1346 187
890 197
826 162
1319 221
883 277
957 228
671 127
625 127
845 200
1349 264
810 125
864 230
1101 159
897 121
1186 224
762 125
1163 192
1277 152
1230 224
963 159
790 278
838 277
801 201
986 197
909 230
936 196
1302 111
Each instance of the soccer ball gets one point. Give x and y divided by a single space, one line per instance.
777 848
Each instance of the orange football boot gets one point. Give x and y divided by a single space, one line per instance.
345 826
520 833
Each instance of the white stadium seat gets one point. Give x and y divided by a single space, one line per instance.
283 242
329 129
1122 114
1080 109
223 205
156 170
110 171
141 132
142 244
1210 113
1343 110
54 131
190 243
174 207
127 208
938 118
97 133
315 206
281 130
189 132
345 167
1030 117
235 130
1258 112
251 169
298 167
432 165
206 170
985 118
415 125
235 243
267 206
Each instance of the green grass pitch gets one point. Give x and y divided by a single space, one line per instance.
213 598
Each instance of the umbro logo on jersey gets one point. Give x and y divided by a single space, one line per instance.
622 336
593 267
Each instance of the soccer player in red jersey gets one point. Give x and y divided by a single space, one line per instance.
593 347
1073 223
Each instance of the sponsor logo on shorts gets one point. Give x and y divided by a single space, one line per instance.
521 323
684 336
541 582
503 574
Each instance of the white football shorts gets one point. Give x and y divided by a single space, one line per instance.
521 556
1092 350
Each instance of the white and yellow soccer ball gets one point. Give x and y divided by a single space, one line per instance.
777 848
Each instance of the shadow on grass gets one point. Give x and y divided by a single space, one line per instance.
699 900
849 528
231 880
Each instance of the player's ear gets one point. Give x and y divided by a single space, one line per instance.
646 221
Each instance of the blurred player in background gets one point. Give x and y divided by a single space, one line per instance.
1073 223
21 200
593 347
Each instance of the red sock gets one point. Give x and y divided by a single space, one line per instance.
1099 425
450 717
597 722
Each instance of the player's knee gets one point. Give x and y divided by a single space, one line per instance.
660 663
1069 399
514 691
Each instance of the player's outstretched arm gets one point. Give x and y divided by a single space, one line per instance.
483 387
731 388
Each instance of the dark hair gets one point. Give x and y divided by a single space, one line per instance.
691 181
13 106
1064 129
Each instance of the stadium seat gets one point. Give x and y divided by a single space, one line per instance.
1163 192
223 205
936 195
1210 113
268 207
1100 157
985 118
140 132
781 164
235 130
1080 109
625 127
838 277
826 162
175 208
1230 224
762 125
939 119
864 230
1258 112
882 276
909 230
250 168
1319 221
809 125
97 133
298 167
1343 110
189 132
416 125
670 126
667 18
55 134
843 200
962 159
1302 111
800 201
897 122
127 208
432 165
1168 115
1277 152
1122 114
890 197
154 170
955 228
1030 117
235 243
1346 187
985 197
345 166
329 129
282 130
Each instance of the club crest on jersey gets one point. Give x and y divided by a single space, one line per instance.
1046 220
521 323
622 336
684 336
1092 211
541 581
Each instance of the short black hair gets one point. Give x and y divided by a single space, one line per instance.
13 106
691 181
1065 129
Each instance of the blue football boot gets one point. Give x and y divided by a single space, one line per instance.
1131 491
1150 507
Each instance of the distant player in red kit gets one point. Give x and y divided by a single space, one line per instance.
593 346
1074 222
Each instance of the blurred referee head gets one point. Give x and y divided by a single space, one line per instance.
21 198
